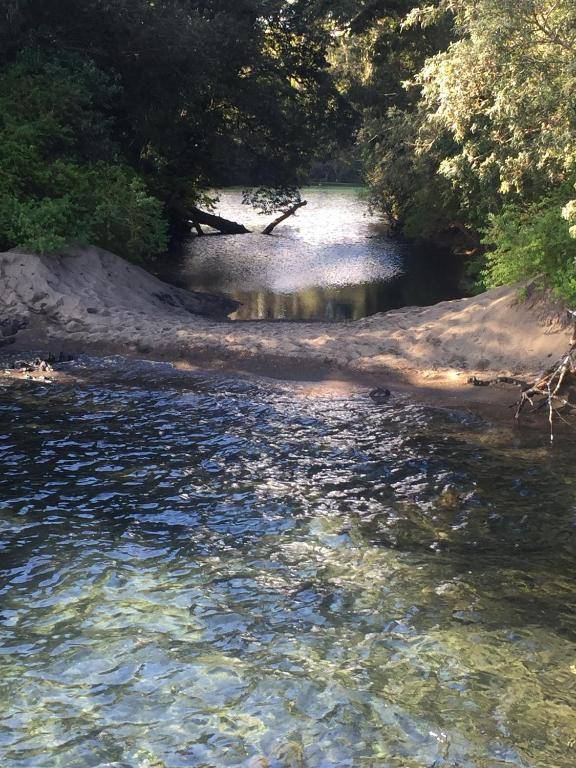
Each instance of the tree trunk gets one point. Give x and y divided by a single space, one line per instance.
285 215
198 217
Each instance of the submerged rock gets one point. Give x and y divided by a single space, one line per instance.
380 395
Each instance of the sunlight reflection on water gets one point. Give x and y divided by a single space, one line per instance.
331 261
201 572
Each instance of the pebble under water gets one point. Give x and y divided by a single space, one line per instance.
205 571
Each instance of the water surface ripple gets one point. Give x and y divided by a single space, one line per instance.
204 571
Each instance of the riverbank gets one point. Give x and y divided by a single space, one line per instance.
92 302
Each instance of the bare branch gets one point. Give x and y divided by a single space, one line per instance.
285 215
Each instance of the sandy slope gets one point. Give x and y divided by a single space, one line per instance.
93 301
70 294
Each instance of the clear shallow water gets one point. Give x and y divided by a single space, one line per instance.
332 261
203 571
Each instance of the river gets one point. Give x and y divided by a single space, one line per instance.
204 571
332 261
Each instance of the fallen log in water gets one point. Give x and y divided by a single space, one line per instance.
197 217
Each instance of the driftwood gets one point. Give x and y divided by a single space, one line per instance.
550 389
283 217
497 380
197 217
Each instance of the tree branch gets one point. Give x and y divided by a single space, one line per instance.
227 227
285 215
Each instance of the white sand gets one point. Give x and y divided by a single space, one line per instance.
92 301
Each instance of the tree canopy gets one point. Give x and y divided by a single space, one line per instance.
117 115
469 120
156 102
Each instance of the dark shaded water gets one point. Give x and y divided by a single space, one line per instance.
332 261
202 571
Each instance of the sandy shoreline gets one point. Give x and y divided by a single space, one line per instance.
92 302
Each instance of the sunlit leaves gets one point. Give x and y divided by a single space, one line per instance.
508 86
532 241
569 213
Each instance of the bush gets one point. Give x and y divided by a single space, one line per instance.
532 241
100 204
61 182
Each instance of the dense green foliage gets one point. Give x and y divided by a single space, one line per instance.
116 115
61 179
531 240
469 122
